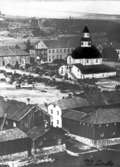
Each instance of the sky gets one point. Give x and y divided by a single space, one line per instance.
58 8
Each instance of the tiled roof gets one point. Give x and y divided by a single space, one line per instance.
12 134
72 103
91 69
103 116
11 51
74 115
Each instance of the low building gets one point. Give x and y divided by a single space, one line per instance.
21 115
96 126
13 56
14 141
86 61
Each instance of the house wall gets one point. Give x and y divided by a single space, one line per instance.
22 60
15 146
106 131
56 115
80 129
70 60
58 53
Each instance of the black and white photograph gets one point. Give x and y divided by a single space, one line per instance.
59 83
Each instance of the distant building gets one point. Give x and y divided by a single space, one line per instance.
86 61
50 50
14 141
13 56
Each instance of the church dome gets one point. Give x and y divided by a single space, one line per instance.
86 50
86 53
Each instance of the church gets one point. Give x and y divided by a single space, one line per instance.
86 61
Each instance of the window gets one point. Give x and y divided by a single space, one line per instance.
58 122
64 50
53 51
51 111
49 51
57 112
87 61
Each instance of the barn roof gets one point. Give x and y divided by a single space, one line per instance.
103 116
15 110
12 134
72 103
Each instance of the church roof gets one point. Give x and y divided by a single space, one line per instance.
86 53
94 69
85 30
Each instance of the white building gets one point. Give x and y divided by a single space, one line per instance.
86 61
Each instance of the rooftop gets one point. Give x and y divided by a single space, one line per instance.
72 103
12 134
15 110
103 116
12 51
85 30
91 69
86 53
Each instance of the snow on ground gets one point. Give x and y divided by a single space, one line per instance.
38 95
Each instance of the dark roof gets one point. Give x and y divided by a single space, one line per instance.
72 103
15 110
85 30
86 53
74 115
92 69
12 134
103 116
11 51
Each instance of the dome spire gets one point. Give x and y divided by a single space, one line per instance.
86 30
86 40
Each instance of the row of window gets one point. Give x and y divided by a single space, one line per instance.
53 113
65 50
100 125
55 57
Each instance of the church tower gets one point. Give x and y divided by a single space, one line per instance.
86 38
